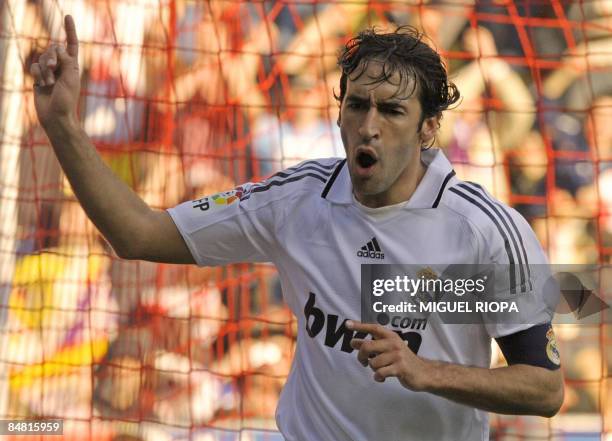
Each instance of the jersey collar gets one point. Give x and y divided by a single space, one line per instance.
338 188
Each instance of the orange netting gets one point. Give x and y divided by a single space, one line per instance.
185 98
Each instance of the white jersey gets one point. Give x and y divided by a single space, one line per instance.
306 221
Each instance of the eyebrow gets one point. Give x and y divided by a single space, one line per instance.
387 104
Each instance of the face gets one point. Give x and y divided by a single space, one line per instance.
380 131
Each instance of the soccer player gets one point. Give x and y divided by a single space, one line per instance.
392 200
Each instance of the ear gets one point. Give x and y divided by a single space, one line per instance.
429 128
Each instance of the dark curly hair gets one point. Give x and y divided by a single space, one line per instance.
402 51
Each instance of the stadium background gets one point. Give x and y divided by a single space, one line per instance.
186 98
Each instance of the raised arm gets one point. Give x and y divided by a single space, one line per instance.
134 230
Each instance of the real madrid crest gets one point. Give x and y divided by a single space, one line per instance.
551 347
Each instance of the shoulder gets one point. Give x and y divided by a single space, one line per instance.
306 178
271 197
474 203
502 235
496 224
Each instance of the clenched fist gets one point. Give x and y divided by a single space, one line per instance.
56 79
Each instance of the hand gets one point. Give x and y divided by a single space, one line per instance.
56 79
389 356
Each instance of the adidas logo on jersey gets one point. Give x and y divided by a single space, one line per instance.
371 250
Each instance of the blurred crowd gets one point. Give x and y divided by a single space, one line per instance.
186 98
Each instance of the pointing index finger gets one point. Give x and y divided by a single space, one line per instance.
72 41
375 330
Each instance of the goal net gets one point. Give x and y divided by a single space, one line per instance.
186 98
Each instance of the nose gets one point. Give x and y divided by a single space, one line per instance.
370 127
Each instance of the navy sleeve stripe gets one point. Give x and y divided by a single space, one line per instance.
284 174
487 201
293 174
327 167
516 230
271 184
446 179
499 229
332 179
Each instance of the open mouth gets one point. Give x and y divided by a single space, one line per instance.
366 160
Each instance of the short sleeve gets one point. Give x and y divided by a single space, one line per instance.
229 227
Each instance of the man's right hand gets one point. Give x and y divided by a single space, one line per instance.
56 79
126 221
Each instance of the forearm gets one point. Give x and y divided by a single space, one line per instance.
111 205
516 390
519 389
